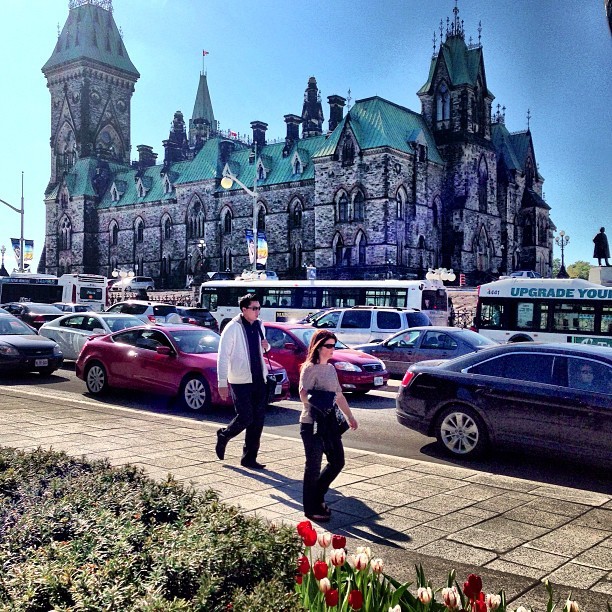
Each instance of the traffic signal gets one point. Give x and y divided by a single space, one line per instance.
461 280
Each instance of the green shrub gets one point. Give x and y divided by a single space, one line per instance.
81 534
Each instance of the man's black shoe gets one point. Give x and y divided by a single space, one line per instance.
221 444
253 465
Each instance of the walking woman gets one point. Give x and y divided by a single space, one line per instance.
317 373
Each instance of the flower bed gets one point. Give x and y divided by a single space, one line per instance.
338 581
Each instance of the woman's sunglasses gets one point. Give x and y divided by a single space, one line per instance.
329 346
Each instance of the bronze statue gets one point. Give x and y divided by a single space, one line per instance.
601 249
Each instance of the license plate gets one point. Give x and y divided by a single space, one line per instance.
39 363
378 380
278 390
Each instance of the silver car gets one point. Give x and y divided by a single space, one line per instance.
424 343
148 312
72 331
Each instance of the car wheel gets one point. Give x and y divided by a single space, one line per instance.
149 288
96 379
461 432
195 394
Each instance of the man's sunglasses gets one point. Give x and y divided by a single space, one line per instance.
253 307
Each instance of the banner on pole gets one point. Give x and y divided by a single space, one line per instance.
17 248
262 249
250 245
28 250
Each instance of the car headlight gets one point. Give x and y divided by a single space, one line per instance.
345 366
8 351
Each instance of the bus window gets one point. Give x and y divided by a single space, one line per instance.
309 298
90 293
277 297
574 317
209 301
340 298
491 316
434 299
606 320
524 315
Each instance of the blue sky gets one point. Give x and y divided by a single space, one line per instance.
553 57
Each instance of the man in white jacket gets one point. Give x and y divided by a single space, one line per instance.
241 363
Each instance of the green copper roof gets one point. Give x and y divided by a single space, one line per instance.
463 64
90 32
202 109
504 146
376 122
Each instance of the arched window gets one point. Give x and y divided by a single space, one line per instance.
400 200
195 219
359 207
296 255
167 228
483 178
139 230
114 234
343 205
261 218
296 214
362 244
226 262
442 104
338 246
348 151
65 234
481 250
227 221
297 166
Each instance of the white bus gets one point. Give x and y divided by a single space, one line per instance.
292 300
546 310
88 289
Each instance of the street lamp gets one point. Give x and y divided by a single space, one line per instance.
440 274
562 239
124 275
20 211
229 178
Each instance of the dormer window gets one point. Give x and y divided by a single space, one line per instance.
115 193
297 165
348 152
167 185
261 171
142 192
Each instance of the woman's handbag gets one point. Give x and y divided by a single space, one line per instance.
325 412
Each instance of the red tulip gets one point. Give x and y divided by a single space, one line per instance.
303 527
309 537
331 598
298 578
472 586
355 599
480 606
320 569
303 565
338 541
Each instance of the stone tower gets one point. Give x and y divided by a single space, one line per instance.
91 80
312 111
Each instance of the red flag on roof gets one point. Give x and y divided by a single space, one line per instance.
204 53
233 134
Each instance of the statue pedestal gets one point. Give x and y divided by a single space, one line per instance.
602 275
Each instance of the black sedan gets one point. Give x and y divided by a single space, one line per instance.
554 397
22 350
198 316
33 313
420 343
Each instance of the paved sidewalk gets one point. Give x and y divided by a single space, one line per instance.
513 532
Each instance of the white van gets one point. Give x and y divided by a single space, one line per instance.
139 282
368 324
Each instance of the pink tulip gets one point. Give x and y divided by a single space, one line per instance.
572 606
337 557
451 598
424 595
493 601
377 565
324 585
360 561
395 609
324 539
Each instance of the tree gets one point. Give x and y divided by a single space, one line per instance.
579 269
556 266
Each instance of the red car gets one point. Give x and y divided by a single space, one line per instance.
172 360
357 371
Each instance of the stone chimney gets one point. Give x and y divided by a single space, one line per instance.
259 133
146 157
336 104
293 132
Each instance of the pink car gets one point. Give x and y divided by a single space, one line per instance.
357 371
171 360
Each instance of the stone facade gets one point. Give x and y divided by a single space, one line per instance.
385 191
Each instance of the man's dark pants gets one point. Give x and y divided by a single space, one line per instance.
250 401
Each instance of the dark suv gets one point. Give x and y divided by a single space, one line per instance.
198 316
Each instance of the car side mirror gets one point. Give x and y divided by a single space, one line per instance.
164 350
290 346
99 331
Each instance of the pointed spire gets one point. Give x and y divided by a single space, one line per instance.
348 100
479 33
203 117
528 118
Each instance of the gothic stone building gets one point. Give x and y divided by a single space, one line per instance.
383 190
